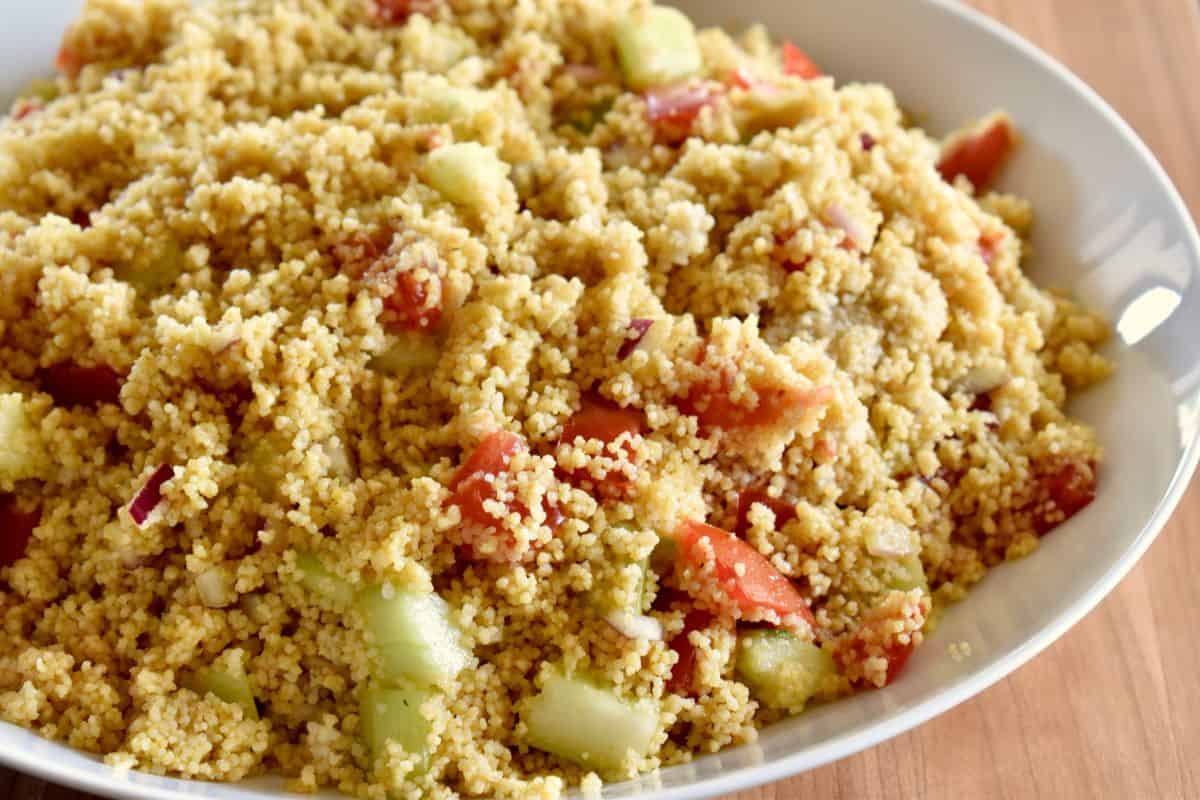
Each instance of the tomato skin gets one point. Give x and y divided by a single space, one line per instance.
784 511
1068 487
895 654
711 403
683 673
470 487
796 62
759 587
397 12
408 307
16 528
600 419
68 62
979 156
73 385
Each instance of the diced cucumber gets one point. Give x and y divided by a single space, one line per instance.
157 270
410 351
322 582
782 670
469 174
656 46
906 574
413 635
20 443
229 686
574 719
394 713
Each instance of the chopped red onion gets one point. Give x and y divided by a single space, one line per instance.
867 141
585 74
681 103
841 219
635 626
637 328
150 495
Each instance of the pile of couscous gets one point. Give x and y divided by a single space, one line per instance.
446 398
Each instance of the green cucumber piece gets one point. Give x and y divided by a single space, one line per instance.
394 713
581 722
467 173
906 574
782 670
411 351
413 635
656 46
228 686
322 582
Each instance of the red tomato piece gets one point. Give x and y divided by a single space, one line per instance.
895 654
473 485
785 512
605 421
1065 489
744 575
16 527
73 385
409 307
683 673
673 109
396 12
796 62
599 418
24 108
979 155
710 402
68 62
989 246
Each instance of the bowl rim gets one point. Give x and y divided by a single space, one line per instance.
112 782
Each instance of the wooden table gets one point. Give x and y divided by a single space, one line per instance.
1112 710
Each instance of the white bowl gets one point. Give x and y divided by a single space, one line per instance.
1111 228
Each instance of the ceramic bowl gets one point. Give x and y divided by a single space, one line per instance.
1110 228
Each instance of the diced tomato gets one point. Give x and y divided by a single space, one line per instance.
745 575
410 306
473 485
73 385
989 246
673 109
1064 489
16 527
979 155
896 654
68 62
605 421
24 108
796 62
710 402
396 12
600 418
784 511
683 673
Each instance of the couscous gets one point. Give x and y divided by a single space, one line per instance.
438 398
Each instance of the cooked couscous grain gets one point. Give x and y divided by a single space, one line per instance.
437 398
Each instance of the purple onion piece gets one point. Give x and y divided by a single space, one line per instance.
150 495
638 328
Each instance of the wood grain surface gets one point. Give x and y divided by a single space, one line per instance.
1112 710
